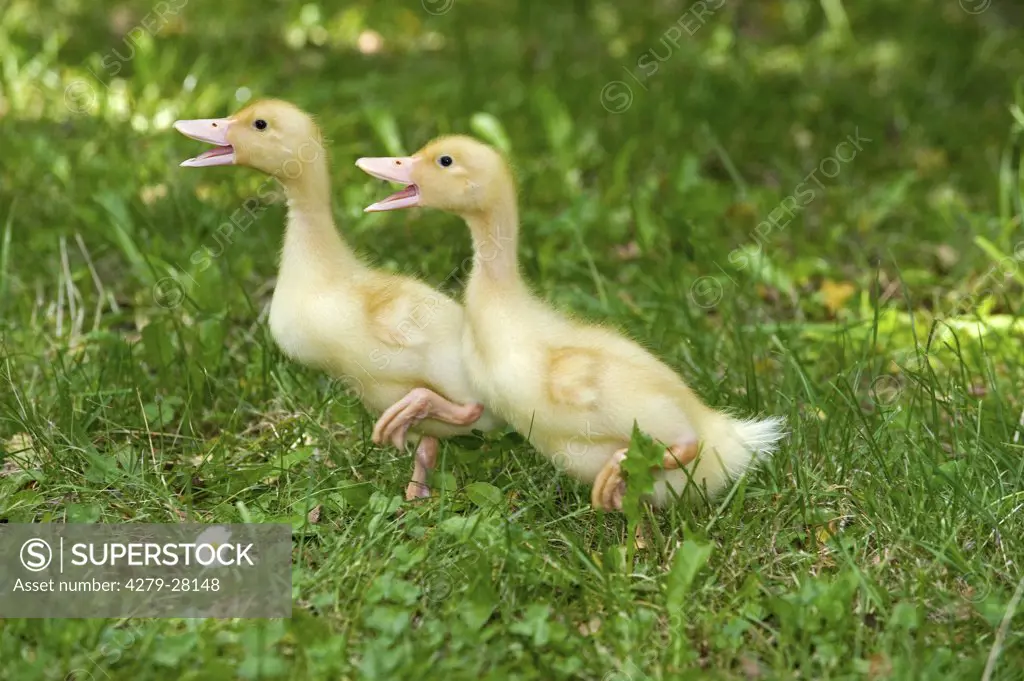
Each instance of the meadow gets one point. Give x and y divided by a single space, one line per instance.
809 209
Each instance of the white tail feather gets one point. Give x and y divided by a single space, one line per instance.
761 437
729 447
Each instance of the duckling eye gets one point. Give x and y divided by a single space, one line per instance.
445 161
260 124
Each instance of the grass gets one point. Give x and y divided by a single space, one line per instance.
880 317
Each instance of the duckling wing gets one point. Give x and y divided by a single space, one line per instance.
573 376
405 313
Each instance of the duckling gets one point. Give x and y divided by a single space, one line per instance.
392 338
573 388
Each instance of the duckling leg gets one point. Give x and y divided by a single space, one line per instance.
420 404
600 489
609 487
425 460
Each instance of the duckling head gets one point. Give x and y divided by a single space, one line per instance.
272 136
457 174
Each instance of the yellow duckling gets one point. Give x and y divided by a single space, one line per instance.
394 339
574 389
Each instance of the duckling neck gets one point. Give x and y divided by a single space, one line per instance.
312 244
495 245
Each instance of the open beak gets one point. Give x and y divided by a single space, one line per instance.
214 131
393 170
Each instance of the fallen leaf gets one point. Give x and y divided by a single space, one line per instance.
590 627
21 446
151 193
835 294
879 667
947 256
751 668
20 443
630 251
639 541
803 138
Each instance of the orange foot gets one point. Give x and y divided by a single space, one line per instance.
610 487
425 460
419 404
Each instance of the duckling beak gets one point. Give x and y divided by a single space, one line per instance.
214 131
393 170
